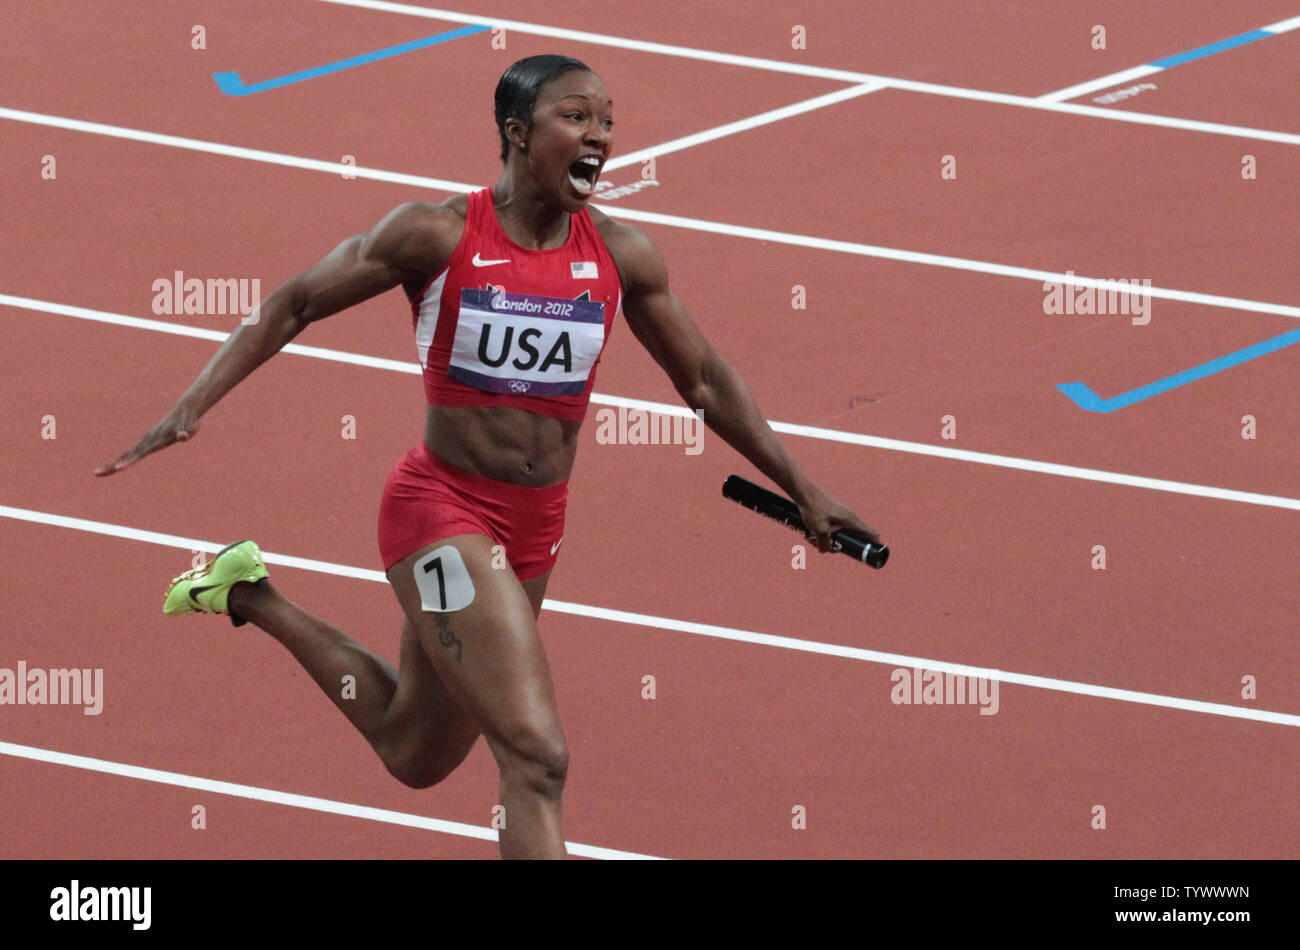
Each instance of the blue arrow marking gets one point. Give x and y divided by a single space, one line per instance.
232 85
1085 398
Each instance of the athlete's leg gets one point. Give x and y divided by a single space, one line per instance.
490 656
427 731
535 588
420 730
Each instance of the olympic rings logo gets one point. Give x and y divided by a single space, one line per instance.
519 385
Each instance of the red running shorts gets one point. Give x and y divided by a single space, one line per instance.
427 500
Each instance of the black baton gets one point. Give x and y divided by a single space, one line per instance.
772 505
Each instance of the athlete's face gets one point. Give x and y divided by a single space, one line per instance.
571 136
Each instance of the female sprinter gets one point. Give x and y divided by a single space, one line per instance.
514 290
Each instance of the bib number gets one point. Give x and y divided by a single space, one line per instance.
526 344
443 581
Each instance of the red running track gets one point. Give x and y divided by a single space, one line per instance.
991 566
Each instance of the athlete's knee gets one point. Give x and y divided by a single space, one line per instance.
536 758
416 775
414 767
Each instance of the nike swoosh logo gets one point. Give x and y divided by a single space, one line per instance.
194 592
479 262
556 546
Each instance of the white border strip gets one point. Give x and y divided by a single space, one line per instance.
671 220
811 432
699 629
744 125
291 799
844 75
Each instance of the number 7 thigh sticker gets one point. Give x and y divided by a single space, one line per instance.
443 581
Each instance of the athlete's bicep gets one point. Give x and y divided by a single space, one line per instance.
660 321
662 325
403 248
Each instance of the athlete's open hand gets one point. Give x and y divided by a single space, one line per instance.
179 425
823 516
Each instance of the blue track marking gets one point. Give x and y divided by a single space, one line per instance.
1085 398
232 85
1239 40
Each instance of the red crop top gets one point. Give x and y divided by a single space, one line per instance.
503 325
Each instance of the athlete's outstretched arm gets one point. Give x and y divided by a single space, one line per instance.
404 247
711 387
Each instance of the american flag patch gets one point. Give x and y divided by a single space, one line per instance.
584 270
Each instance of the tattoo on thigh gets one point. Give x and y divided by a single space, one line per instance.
445 636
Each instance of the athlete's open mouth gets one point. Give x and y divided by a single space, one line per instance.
583 174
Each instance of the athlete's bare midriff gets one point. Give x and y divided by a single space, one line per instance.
508 444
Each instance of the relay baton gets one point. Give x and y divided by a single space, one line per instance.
772 505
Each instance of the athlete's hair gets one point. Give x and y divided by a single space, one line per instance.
518 88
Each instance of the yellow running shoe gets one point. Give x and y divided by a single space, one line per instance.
207 589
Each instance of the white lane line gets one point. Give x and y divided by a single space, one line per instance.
1283 26
698 629
947 261
217 336
802 69
676 221
942 666
1137 72
271 796
231 151
614 42
187 544
1098 112
811 432
1105 82
1042 468
743 125
987 458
